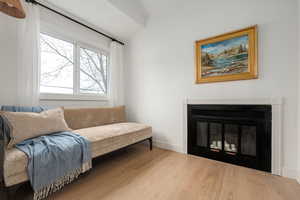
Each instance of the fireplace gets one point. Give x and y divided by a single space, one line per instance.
236 134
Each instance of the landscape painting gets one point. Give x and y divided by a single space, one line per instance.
225 57
230 56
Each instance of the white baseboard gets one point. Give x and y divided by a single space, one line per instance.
290 173
168 146
276 172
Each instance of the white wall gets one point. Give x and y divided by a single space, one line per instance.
55 24
298 91
113 17
160 68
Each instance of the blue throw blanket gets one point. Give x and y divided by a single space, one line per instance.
54 160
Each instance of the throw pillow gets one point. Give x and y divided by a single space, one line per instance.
25 125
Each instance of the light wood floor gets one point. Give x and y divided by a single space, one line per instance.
138 174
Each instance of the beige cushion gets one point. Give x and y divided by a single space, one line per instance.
108 138
25 125
15 164
104 139
79 118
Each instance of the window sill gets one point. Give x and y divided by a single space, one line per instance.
65 97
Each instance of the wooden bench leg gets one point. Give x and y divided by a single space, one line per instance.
9 193
4 192
150 143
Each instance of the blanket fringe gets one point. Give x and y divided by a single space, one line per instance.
86 166
59 184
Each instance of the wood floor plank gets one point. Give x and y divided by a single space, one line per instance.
138 174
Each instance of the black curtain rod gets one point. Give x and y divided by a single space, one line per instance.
73 20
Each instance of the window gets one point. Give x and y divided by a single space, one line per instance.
57 65
71 69
93 72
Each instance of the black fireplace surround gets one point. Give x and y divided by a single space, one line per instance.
236 134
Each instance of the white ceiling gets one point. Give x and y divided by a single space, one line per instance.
159 8
119 18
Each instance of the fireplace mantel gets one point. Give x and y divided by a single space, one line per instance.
276 103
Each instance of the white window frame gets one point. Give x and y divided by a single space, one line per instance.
76 96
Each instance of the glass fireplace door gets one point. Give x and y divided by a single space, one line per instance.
229 137
237 134
215 136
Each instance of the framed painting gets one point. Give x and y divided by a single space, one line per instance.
228 57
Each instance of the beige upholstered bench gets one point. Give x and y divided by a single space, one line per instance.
105 128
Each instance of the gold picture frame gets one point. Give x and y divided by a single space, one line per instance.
227 57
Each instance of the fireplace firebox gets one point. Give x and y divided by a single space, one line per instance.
236 134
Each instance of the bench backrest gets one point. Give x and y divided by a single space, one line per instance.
79 118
